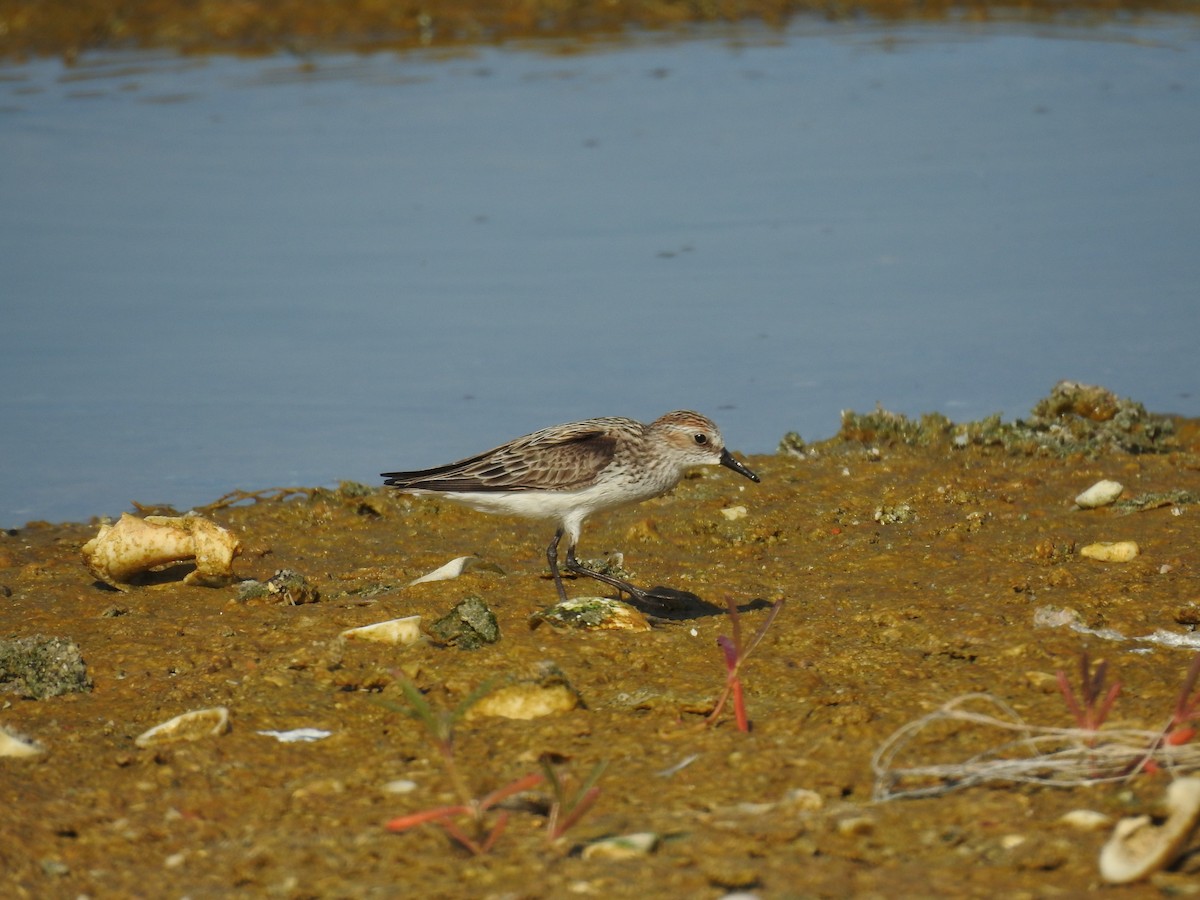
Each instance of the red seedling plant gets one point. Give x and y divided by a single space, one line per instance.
1092 706
1181 728
474 809
440 727
1187 709
566 808
735 657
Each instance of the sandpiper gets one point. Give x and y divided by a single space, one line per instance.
570 471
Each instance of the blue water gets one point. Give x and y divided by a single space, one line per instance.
241 273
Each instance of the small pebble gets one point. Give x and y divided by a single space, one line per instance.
623 846
855 826
1085 819
804 799
400 786
1111 551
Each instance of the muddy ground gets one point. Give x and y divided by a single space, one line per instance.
911 574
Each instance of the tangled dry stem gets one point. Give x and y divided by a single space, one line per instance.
1062 757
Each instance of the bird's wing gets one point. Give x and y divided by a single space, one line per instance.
563 458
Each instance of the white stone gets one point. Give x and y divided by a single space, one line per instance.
1102 493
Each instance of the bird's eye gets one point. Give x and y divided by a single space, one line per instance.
701 438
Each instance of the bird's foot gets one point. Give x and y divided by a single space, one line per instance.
655 598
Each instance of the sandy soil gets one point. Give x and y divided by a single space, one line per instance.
911 575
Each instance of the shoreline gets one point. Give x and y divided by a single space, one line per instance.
31 29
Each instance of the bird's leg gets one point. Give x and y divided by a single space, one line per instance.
552 558
657 597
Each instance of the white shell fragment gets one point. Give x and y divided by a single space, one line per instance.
456 567
1114 551
1138 847
399 632
188 726
623 846
1102 493
733 513
297 735
133 545
15 745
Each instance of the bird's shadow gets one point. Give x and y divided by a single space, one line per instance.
665 604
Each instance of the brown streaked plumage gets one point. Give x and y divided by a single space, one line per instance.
568 472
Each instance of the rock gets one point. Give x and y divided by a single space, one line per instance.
39 667
600 613
468 626
896 514
526 701
290 587
546 693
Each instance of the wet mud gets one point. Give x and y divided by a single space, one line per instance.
913 569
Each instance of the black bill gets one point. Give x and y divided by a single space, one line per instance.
730 463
